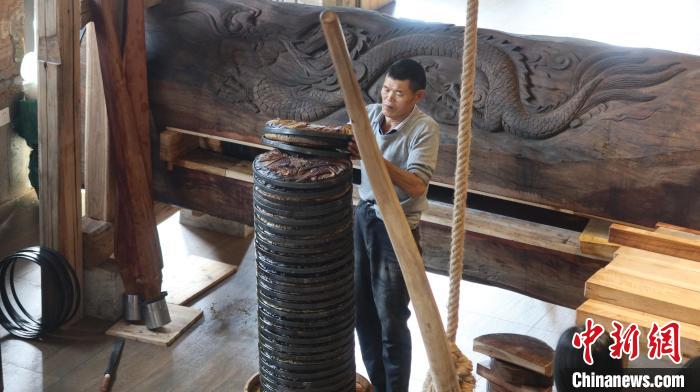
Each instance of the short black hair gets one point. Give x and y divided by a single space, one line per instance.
567 359
410 70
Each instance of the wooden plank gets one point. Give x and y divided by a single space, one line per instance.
227 137
651 257
98 241
484 370
582 169
594 239
182 319
188 278
59 131
99 178
173 144
658 270
521 350
684 232
212 163
645 295
671 245
605 313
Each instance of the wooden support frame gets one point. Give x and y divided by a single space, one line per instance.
59 131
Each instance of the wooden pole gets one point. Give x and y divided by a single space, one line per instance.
59 135
410 260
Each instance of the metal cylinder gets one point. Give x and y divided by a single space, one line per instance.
304 253
156 313
132 308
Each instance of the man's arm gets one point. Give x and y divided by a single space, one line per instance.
410 183
407 181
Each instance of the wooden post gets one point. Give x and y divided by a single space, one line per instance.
99 181
59 131
410 260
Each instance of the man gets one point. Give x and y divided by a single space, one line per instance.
409 141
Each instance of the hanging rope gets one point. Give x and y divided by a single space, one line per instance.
464 139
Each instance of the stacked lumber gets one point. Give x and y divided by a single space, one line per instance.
518 363
653 277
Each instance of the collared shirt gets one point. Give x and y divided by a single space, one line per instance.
412 146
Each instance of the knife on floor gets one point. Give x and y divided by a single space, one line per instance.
117 348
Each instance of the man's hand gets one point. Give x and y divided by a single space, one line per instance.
354 152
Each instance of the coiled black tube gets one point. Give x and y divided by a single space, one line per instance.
59 289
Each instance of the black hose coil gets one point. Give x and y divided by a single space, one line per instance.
59 289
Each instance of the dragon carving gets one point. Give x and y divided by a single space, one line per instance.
287 72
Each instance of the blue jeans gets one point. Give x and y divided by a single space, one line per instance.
381 301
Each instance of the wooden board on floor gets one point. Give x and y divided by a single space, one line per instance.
605 313
521 350
187 279
671 245
594 239
644 294
182 318
484 370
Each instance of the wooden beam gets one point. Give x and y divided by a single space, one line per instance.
99 178
667 244
501 251
59 131
134 63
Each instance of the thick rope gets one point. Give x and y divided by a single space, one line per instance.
464 138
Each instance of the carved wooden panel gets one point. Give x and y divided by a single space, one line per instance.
573 124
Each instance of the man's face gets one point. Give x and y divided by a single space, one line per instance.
398 99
